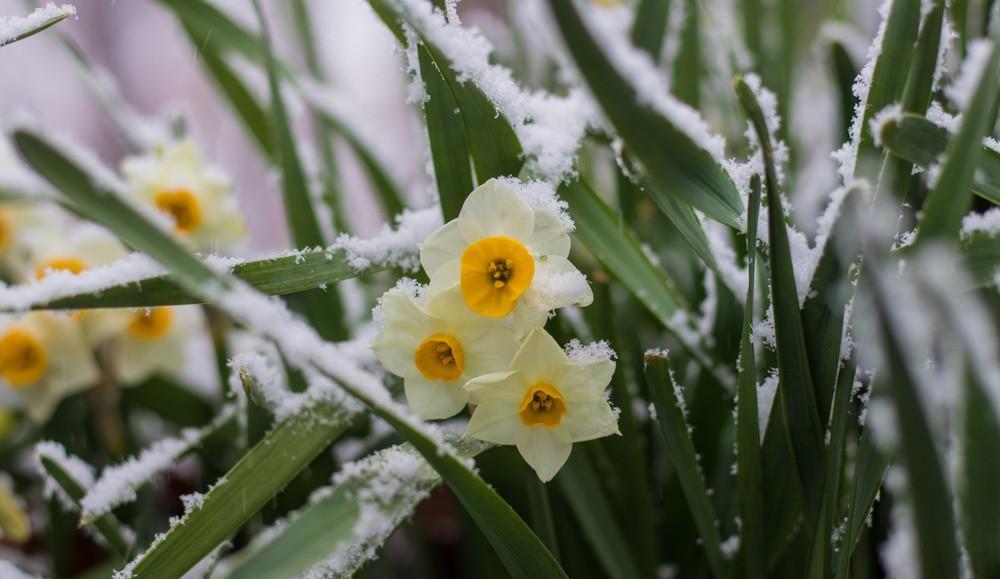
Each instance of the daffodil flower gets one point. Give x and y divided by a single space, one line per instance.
197 198
435 344
502 252
83 248
543 403
44 357
153 341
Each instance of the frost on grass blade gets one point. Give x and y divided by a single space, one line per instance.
549 127
14 28
118 484
962 89
81 472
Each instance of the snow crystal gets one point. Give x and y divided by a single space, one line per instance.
942 118
963 88
80 471
987 223
541 195
549 127
592 352
12 27
397 247
730 547
118 484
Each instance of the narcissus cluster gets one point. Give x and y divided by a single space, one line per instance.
474 336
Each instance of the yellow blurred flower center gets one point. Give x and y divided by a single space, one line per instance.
6 229
440 357
182 206
151 324
23 359
495 272
74 265
542 404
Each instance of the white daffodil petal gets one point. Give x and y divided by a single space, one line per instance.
550 236
494 209
545 450
442 246
539 357
526 319
590 420
499 388
405 327
557 284
432 400
585 381
445 277
496 423
490 351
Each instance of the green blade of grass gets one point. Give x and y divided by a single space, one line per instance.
322 535
686 75
288 274
323 309
870 467
795 387
650 26
582 490
107 525
979 509
748 459
670 415
674 162
980 251
446 132
523 555
950 198
56 16
928 490
921 142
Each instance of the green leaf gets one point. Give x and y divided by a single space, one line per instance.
979 509
609 239
748 458
888 80
795 386
870 468
208 25
325 529
582 489
921 142
258 476
288 274
670 415
649 29
926 484
492 142
951 197
673 161
687 65
52 20
323 309
108 526
170 401
687 223
446 132
541 511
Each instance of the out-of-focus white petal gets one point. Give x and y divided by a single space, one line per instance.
494 209
545 450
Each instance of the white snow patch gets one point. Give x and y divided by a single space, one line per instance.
80 471
963 88
12 27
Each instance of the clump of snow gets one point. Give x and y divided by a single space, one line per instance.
942 118
118 484
987 223
80 471
730 547
397 247
963 88
592 352
885 116
14 27
549 127
541 195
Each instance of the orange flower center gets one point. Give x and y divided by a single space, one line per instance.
23 359
495 272
440 357
74 265
182 206
151 324
542 404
